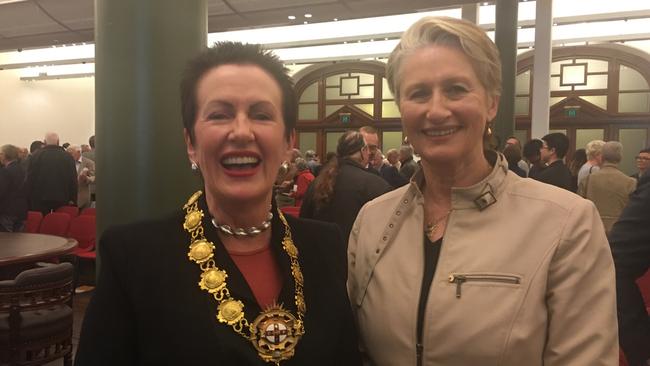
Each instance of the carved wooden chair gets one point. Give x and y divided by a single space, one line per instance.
36 316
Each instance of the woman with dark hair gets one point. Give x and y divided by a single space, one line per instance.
227 279
579 159
343 185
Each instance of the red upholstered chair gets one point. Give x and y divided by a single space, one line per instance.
55 223
82 229
89 211
73 211
291 210
33 221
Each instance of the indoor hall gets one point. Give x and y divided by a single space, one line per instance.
112 69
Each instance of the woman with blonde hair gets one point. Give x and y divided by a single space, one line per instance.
471 264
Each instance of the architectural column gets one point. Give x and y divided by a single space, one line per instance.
140 51
470 12
542 69
505 37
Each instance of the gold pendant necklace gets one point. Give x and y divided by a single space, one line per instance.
433 226
275 332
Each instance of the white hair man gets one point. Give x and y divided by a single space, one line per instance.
85 175
594 159
608 188
51 177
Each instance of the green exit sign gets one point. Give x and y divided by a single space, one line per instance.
345 118
571 112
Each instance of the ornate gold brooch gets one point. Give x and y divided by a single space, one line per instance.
275 332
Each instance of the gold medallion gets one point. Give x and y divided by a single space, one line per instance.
201 251
230 311
192 200
192 220
213 280
275 334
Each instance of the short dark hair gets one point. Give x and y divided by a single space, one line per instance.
646 150
559 142
235 53
35 146
91 141
531 148
512 154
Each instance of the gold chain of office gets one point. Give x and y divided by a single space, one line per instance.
275 332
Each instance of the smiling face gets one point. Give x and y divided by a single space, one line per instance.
240 141
444 107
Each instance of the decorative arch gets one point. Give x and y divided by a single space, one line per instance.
597 92
338 96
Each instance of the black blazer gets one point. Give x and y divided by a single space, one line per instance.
354 187
392 176
148 309
13 201
630 242
51 176
556 174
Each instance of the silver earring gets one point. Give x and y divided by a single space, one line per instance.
194 166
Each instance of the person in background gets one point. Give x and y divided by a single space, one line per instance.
227 279
608 188
554 148
313 162
344 185
51 177
532 154
470 264
34 147
371 137
513 156
389 169
91 153
578 160
642 163
594 159
302 181
13 200
85 175
630 242
408 166
513 141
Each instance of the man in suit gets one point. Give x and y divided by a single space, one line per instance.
642 163
371 138
390 171
554 148
91 155
408 166
13 202
608 188
85 175
51 177
630 242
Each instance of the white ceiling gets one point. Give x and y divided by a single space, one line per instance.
39 23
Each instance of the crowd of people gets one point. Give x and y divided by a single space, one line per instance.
442 251
47 177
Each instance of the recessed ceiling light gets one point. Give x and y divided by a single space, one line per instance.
336 19
305 22
485 4
291 17
345 42
307 15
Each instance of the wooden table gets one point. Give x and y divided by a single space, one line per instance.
21 248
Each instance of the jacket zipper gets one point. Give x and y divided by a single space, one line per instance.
459 279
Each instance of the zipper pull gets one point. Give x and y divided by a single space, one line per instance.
458 280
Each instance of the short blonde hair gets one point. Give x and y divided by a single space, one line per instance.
450 32
594 148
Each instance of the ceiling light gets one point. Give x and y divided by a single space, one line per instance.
485 4
2 2
305 22
291 17
336 19
307 15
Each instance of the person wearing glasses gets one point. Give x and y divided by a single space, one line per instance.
642 163
470 264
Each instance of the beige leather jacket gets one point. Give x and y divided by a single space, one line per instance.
528 280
